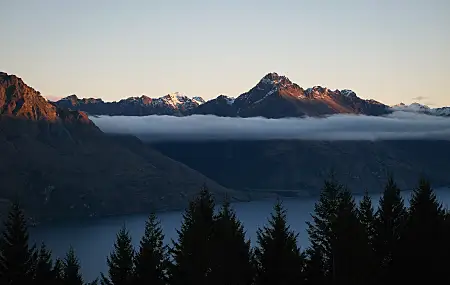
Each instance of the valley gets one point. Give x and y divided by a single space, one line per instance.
224 142
62 166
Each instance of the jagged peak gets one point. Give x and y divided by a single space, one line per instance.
271 75
348 93
411 107
198 99
5 75
418 105
318 89
222 96
70 97
23 101
275 79
74 98
132 98
175 95
229 100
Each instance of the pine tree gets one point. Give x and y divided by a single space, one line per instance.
366 216
420 256
44 267
350 245
278 257
445 250
120 261
58 272
389 222
320 231
315 267
17 259
151 261
232 252
71 269
193 252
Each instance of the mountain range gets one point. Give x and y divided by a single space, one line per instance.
174 104
274 96
299 167
419 108
58 164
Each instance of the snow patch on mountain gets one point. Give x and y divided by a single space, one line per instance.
229 100
198 100
419 108
348 93
267 95
414 107
444 111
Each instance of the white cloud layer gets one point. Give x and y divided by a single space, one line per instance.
396 126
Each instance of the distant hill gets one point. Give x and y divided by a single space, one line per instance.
419 108
58 164
303 165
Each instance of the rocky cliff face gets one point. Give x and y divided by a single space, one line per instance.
19 100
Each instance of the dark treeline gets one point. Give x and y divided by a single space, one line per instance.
350 244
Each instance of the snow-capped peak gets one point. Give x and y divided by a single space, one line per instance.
70 97
348 93
175 97
229 100
198 100
178 100
175 101
414 107
274 78
444 111
419 108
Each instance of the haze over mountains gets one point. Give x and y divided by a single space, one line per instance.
274 96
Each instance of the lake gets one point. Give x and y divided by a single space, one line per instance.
93 240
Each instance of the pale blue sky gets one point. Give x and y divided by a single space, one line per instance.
389 50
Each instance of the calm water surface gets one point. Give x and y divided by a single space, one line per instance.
93 240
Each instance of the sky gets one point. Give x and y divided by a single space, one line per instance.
389 50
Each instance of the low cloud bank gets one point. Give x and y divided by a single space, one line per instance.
396 126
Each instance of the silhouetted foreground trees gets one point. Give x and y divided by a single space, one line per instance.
350 244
